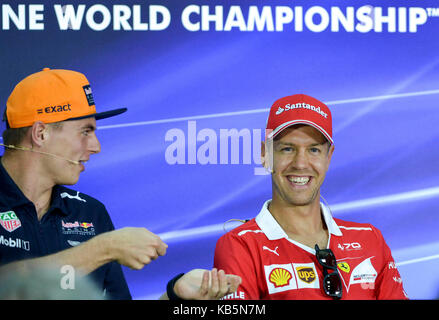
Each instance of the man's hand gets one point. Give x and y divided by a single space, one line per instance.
134 247
199 284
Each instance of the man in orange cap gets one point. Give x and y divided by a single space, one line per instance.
51 121
294 248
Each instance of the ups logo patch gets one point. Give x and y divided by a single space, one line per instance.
306 274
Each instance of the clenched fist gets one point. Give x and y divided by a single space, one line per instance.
134 247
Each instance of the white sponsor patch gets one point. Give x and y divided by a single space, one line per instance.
363 273
280 277
306 275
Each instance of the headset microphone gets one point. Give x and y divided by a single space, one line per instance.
10 146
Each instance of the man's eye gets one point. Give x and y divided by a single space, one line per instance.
287 149
315 150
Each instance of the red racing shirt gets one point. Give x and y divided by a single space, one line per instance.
273 266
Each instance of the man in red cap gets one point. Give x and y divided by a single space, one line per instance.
51 121
294 248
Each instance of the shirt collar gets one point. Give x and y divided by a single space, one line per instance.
274 231
12 197
57 201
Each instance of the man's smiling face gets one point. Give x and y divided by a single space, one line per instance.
301 157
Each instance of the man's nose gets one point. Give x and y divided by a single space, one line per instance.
94 144
300 160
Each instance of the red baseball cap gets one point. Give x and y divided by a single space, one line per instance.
299 109
52 95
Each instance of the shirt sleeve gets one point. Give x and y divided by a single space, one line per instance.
389 282
233 256
114 285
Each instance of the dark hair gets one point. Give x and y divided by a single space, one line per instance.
14 136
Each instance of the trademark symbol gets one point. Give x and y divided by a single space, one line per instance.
433 12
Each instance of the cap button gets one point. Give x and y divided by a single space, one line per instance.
45 69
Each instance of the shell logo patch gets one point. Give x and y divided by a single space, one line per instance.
280 277
291 276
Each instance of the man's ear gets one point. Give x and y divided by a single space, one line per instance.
263 162
330 153
267 155
39 133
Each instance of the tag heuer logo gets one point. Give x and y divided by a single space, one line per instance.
9 221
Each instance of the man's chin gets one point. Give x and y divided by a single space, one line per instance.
297 203
68 181
301 201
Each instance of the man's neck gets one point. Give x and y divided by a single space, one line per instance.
25 175
304 224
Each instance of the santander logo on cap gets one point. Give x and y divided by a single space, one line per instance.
299 109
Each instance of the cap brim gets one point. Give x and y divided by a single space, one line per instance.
102 115
285 125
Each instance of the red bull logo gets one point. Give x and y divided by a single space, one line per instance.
86 225
80 228
77 224
70 224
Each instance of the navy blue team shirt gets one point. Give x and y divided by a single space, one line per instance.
72 218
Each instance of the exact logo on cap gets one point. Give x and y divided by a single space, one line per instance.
52 109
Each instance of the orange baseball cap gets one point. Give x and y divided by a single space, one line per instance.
52 96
